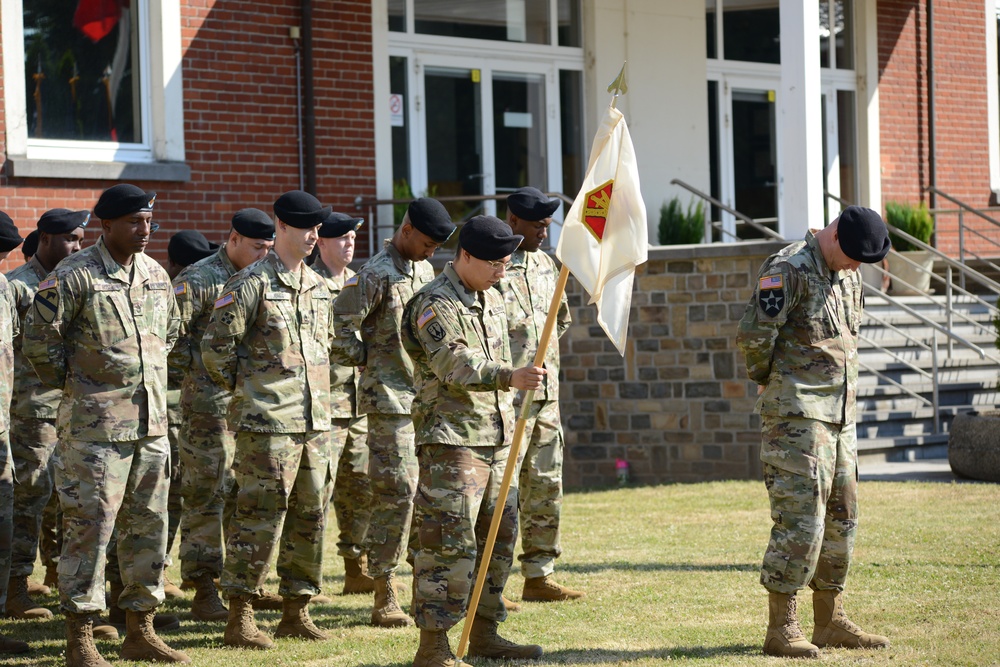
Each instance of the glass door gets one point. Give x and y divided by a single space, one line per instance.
519 132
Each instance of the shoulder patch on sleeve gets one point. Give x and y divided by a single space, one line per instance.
182 288
773 281
426 317
353 280
225 300
48 284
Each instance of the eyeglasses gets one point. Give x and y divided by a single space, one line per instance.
497 265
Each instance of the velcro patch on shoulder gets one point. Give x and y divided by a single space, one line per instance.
774 281
426 317
353 280
225 300
180 289
48 284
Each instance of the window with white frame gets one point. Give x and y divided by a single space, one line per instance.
96 83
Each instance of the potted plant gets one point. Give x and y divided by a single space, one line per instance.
918 223
678 227
974 440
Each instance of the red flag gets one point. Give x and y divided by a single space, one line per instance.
97 18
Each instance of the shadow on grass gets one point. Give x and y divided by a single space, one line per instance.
598 655
586 568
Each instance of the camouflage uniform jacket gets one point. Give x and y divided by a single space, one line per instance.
799 335
101 332
268 342
9 330
527 290
343 379
196 288
32 398
461 353
368 315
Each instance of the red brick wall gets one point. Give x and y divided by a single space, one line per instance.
240 119
962 151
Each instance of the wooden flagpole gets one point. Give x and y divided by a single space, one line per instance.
618 86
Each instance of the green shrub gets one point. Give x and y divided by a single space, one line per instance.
914 220
678 227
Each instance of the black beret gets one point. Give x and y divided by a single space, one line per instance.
123 199
253 223
863 235
300 209
187 247
530 204
9 237
432 218
338 224
30 246
62 220
489 238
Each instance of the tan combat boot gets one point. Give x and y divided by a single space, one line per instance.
833 628
20 605
80 649
295 621
117 616
784 636
545 589
170 589
386 611
510 604
268 601
51 576
434 650
356 580
103 630
485 642
141 642
206 605
241 631
35 588
8 645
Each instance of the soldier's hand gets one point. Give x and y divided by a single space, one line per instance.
527 378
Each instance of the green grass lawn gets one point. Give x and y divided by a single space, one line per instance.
671 575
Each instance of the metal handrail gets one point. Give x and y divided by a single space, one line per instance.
731 211
961 220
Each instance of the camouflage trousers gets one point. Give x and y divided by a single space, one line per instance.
50 534
541 489
6 514
283 483
810 471
457 494
174 498
101 486
392 471
32 443
352 492
206 449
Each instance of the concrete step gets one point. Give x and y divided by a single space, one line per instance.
910 448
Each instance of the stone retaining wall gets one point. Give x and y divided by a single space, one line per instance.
678 407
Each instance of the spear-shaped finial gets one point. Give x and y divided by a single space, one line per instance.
619 86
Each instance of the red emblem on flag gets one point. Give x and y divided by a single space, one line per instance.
595 210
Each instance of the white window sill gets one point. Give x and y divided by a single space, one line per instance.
24 167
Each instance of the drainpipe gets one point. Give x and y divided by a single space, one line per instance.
931 134
308 100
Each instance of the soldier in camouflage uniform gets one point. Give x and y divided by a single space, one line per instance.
33 410
457 336
527 289
800 339
349 431
184 248
99 329
268 342
206 444
368 315
9 329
